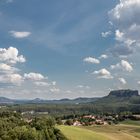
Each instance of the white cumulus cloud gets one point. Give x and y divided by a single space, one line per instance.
106 34
34 76
55 90
91 60
103 73
124 65
11 79
138 82
54 83
124 17
18 34
8 72
119 35
103 56
122 80
126 10
11 55
5 68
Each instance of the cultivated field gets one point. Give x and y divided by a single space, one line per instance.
76 133
116 132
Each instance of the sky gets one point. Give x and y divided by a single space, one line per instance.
54 49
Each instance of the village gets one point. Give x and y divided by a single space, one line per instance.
89 120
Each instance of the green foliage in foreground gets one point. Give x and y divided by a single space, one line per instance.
13 127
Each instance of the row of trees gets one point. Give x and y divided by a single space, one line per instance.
13 127
69 109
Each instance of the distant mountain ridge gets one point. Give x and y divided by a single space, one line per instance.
115 97
4 100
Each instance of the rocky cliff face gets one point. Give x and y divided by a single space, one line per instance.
124 93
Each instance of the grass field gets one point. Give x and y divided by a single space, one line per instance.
76 133
130 122
116 132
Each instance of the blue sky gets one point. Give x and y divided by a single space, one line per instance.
68 48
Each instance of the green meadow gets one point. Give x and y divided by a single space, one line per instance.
76 133
131 122
108 132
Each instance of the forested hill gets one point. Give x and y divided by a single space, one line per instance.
121 96
120 100
124 93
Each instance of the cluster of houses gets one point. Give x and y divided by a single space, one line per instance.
84 120
101 120
92 120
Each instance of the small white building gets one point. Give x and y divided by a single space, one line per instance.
77 123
